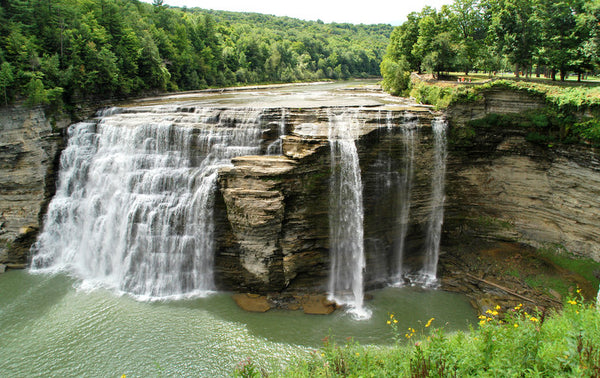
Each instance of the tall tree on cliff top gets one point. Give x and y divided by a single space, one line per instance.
560 36
467 20
516 31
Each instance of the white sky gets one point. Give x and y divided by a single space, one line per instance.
353 11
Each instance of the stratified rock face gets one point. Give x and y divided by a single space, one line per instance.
502 187
28 155
523 192
278 206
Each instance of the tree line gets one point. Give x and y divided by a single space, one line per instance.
56 51
527 37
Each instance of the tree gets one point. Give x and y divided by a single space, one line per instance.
467 20
6 79
516 32
396 74
560 36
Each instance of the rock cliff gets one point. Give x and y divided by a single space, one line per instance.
509 188
29 150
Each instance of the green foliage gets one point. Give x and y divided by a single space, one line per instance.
523 36
396 76
114 48
506 342
6 79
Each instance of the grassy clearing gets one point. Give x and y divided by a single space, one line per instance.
507 342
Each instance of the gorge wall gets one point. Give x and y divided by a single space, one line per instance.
504 187
29 150
271 210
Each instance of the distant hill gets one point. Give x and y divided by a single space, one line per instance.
73 50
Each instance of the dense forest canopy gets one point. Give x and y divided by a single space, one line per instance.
73 50
527 37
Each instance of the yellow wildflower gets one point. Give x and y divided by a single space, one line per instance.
482 322
395 321
497 307
429 322
357 354
570 301
494 313
533 319
578 290
516 325
388 322
391 316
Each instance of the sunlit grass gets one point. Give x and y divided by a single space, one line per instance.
506 342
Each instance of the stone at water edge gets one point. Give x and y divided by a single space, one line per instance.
2 268
317 305
252 302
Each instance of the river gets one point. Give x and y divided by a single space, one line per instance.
80 314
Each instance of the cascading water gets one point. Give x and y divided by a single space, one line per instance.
134 205
276 148
346 244
409 130
436 218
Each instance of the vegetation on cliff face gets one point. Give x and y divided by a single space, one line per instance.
506 342
526 37
571 114
75 50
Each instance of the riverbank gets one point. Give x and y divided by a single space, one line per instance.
506 342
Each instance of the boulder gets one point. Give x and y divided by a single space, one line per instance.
252 302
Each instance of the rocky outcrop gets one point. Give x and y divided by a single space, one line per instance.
278 206
503 187
29 150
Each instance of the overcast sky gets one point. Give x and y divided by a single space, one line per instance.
365 11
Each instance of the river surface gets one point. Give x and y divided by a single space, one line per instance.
54 323
51 326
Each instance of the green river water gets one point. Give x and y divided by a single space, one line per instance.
51 327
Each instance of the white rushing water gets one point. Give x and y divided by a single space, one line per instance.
276 148
346 235
409 132
133 209
436 218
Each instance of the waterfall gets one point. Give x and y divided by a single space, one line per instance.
408 128
436 218
276 148
346 243
133 209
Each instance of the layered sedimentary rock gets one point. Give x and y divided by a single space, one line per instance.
278 206
29 149
503 187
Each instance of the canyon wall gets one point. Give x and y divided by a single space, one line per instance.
29 150
271 211
501 186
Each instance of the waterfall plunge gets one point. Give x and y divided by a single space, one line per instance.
346 242
436 218
133 209
409 131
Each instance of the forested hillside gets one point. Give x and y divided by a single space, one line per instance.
72 50
527 37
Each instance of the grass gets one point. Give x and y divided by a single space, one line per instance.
585 267
507 342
